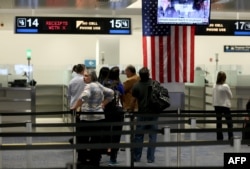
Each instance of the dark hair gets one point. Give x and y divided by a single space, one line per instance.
73 69
79 68
144 74
131 68
114 73
221 77
103 74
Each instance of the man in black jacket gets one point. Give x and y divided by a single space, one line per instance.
140 92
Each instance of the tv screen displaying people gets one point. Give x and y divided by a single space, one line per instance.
183 12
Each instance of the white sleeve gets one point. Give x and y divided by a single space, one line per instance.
86 93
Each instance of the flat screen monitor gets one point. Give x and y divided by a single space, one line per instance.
183 12
21 69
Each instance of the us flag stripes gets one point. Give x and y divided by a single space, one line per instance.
168 51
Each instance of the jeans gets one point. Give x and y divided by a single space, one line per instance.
140 137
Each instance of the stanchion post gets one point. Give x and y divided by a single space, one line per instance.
1 142
237 143
167 139
193 138
127 140
69 166
28 142
74 138
178 139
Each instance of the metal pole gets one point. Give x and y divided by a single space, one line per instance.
167 152
127 140
178 139
1 142
237 143
74 139
193 138
28 142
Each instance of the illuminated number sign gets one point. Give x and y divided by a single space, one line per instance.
225 28
70 25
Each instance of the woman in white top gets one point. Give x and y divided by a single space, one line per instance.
222 96
92 100
75 88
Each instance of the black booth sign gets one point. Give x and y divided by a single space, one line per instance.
72 25
225 28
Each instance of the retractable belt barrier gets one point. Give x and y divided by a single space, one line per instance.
127 132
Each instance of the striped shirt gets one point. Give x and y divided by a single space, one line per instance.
92 96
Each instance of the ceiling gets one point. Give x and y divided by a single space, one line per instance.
221 9
111 5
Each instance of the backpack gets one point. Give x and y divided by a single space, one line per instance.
112 105
158 97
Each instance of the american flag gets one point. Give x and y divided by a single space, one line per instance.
168 51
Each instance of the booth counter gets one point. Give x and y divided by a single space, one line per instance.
15 100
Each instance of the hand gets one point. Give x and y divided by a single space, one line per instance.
103 105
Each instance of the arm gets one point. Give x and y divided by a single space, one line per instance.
229 92
127 86
133 99
83 98
78 104
108 94
69 93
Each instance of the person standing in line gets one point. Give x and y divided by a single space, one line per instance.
246 124
102 77
128 84
92 99
103 74
75 88
114 110
222 96
140 92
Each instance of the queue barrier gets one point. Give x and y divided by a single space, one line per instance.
128 145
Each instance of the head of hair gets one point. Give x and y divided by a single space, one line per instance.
221 77
131 68
144 74
103 74
79 68
114 73
92 75
73 69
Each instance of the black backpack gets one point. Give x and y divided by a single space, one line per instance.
112 106
158 97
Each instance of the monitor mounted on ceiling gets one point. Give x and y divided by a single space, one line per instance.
183 12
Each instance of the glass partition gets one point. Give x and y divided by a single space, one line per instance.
237 75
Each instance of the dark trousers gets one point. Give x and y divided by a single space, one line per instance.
90 157
223 112
114 117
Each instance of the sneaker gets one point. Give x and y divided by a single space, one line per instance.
150 161
112 163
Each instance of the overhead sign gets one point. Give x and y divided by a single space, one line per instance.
90 63
225 28
236 48
72 25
